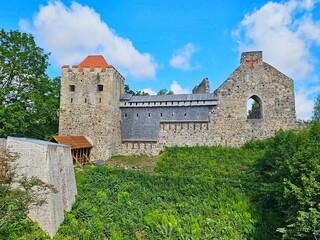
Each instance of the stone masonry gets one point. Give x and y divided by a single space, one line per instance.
119 123
89 105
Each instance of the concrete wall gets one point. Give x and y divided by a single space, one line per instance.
51 163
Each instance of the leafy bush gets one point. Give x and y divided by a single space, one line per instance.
196 193
289 177
14 223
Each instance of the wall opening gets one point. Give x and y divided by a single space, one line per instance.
72 88
247 77
100 87
254 107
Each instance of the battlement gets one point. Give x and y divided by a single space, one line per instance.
85 69
94 63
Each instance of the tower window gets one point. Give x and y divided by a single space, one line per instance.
100 87
99 100
71 100
85 100
72 88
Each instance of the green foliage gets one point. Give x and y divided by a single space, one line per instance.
254 112
197 193
128 90
137 93
316 110
165 92
289 177
29 99
141 93
14 223
270 189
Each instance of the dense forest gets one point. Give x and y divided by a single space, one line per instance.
269 189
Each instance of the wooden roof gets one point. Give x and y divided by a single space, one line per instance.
75 142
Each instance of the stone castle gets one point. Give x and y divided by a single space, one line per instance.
94 104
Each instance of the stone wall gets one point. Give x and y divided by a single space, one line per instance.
203 87
228 124
88 111
225 122
51 163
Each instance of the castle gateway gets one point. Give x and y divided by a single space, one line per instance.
94 104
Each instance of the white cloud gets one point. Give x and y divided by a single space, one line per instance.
71 34
177 89
150 91
181 58
285 33
305 103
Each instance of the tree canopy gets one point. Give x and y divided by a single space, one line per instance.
165 92
29 99
316 110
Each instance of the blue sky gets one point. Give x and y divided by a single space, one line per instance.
175 44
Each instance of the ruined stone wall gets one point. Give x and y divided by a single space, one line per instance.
228 124
90 110
203 87
253 78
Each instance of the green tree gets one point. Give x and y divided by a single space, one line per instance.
316 110
29 99
254 112
289 180
165 92
141 93
128 90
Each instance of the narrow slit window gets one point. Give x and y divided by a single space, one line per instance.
125 115
247 77
99 100
160 114
85 100
71 100
149 115
100 87
137 114
72 88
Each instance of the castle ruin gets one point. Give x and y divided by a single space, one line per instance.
93 104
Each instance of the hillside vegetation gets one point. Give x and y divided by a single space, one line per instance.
268 189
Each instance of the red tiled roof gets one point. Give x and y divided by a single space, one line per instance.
73 141
94 61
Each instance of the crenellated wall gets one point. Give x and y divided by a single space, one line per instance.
126 124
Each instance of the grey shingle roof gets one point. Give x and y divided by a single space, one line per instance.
167 98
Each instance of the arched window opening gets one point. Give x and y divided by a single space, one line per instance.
254 108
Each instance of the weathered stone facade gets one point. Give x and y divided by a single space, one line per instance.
89 105
125 124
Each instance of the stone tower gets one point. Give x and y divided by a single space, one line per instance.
89 104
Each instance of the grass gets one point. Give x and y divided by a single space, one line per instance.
196 193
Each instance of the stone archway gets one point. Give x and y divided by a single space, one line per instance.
254 107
